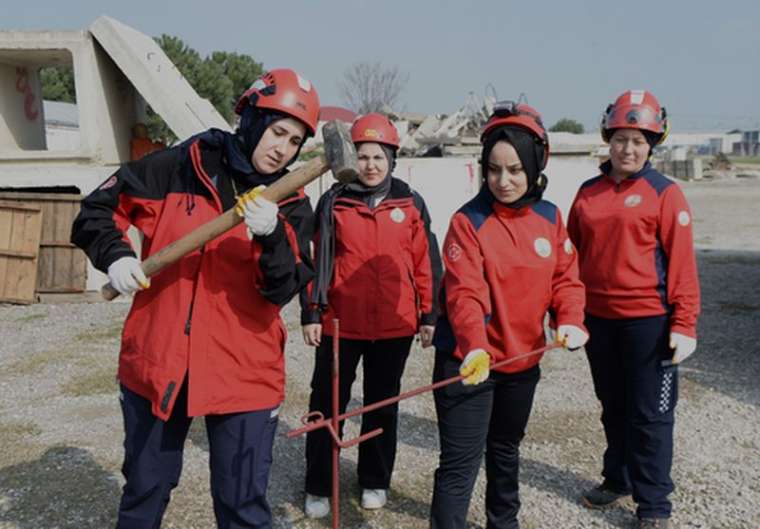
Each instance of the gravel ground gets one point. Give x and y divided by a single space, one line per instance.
61 432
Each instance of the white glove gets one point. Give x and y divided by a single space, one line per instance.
260 215
682 345
475 367
572 337
126 276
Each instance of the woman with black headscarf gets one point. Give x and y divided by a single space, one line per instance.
508 262
378 268
205 337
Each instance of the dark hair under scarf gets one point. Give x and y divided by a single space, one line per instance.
325 258
531 153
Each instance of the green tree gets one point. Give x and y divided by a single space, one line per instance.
567 125
220 78
241 69
58 83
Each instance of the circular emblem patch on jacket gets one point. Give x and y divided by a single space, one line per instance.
631 201
397 215
542 247
568 247
684 218
454 252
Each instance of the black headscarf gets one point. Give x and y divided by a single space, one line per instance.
236 151
531 152
254 122
371 196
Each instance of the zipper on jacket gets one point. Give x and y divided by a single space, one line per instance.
189 321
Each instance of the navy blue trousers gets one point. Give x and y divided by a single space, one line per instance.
383 362
638 397
240 447
491 416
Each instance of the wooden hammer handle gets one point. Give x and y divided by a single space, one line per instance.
171 253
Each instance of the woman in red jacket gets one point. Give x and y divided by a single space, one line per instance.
508 261
632 228
377 270
206 338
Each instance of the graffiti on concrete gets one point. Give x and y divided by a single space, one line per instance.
31 111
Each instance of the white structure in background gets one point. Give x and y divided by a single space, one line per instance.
117 72
61 126
447 183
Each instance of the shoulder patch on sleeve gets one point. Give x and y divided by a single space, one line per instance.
477 210
658 182
546 209
591 181
418 201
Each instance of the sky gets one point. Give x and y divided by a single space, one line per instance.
570 58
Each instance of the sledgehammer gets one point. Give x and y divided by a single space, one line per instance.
339 156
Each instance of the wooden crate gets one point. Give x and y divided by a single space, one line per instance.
20 228
62 267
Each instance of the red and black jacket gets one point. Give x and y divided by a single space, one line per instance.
505 269
215 314
387 268
634 239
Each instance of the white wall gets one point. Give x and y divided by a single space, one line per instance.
447 183
21 115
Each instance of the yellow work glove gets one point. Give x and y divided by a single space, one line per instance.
245 198
475 367
259 214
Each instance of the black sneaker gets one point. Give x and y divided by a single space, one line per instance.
602 496
653 523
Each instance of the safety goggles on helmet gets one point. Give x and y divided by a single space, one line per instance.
509 113
510 108
635 109
639 115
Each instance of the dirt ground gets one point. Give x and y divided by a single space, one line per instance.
61 431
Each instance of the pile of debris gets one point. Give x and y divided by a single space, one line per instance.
436 135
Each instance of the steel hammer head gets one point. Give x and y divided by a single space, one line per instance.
340 151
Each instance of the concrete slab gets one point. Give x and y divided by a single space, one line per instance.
159 82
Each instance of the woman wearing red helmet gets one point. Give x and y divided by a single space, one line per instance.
632 228
377 270
206 339
508 261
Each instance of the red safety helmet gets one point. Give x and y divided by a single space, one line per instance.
635 109
285 91
375 128
518 115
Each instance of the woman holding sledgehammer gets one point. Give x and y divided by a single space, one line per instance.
508 261
377 270
206 337
642 302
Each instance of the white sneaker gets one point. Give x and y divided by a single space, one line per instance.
316 506
374 498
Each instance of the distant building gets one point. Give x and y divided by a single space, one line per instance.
749 144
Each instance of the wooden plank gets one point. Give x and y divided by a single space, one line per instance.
37 197
6 218
18 206
21 301
61 266
17 253
22 227
56 244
